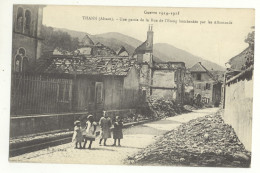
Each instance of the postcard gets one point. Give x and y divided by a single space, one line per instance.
151 86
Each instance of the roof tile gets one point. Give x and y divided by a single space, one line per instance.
90 65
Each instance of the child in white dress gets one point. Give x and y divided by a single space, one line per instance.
77 135
90 131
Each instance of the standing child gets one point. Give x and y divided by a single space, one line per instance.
117 132
105 124
77 135
90 131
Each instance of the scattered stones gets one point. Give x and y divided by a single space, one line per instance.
205 141
189 107
166 108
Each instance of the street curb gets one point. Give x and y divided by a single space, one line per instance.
22 147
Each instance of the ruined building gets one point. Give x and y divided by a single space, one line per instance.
168 80
164 79
144 56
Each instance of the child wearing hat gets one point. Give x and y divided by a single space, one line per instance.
118 132
77 135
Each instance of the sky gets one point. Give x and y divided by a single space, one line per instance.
215 42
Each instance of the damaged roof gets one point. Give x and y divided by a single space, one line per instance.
143 48
90 65
86 41
122 52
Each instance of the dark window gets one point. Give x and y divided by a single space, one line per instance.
207 86
99 94
21 62
25 65
19 20
198 76
91 92
27 22
18 63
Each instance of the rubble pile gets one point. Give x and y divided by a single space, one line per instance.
134 118
165 108
189 107
206 141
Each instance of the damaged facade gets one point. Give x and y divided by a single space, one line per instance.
165 79
168 80
144 57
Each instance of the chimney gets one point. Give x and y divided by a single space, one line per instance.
150 36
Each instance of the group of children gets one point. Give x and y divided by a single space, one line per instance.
86 132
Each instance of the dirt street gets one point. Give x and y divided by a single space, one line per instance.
135 139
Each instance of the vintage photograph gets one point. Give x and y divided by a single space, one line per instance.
150 86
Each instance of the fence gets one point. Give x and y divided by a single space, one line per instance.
35 94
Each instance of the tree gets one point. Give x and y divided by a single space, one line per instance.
250 53
58 39
251 38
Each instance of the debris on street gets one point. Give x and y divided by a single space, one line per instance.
205 141
189 107
162 108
